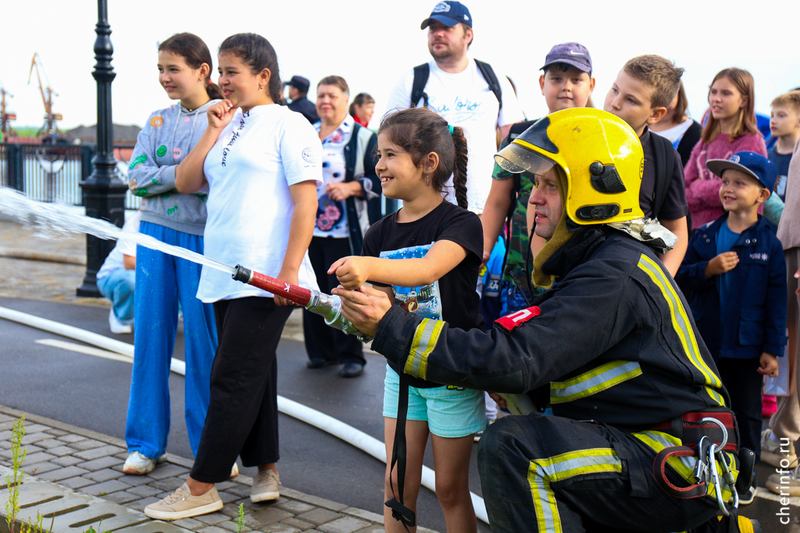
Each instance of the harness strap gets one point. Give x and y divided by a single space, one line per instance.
660 471
690 428
400 512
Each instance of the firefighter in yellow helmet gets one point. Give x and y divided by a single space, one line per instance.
611 347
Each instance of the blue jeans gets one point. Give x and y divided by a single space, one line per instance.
161 282
118 287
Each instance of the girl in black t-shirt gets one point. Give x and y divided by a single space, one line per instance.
426 258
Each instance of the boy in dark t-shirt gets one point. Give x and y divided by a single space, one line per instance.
640 95
566 82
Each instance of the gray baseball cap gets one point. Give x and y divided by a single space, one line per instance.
574 54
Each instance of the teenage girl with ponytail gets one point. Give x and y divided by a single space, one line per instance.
426 257
730 128
164 281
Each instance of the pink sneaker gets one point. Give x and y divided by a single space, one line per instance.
769 405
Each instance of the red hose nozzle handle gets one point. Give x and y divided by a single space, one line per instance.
287 290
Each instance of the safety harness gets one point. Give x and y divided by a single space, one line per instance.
706 435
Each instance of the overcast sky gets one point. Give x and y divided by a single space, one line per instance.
372 42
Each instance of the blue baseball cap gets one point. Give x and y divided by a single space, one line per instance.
449 13
751 163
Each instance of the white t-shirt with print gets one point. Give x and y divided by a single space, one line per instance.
332 214
465 100
249 170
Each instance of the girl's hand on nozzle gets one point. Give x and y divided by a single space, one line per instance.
220 114
352 272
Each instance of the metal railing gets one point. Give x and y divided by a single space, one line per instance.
53 172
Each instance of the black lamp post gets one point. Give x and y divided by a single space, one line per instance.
103 192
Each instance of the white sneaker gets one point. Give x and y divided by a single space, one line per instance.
234 470
784 485
116 326
140 465
774 454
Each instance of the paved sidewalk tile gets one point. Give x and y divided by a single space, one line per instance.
40 468
347 524
101 489
106 474
62 451
76 482
101 463
96 453
66 461
165 470
68 472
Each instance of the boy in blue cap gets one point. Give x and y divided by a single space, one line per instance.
735 275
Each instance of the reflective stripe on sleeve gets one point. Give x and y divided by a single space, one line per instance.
682 326
543 472
425 338
596 380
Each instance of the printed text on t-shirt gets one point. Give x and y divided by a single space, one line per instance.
234 136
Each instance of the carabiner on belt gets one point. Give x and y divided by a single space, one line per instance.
715 478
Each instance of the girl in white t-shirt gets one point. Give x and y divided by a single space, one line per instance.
426 258
261 165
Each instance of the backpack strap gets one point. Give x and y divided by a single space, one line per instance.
421 74
488 74
664 162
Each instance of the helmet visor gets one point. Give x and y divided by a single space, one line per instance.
519 157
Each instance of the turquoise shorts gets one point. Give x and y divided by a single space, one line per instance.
450 412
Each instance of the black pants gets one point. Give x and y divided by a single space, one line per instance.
741 378
242 415
322 341
546 473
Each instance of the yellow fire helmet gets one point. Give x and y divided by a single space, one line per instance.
599 154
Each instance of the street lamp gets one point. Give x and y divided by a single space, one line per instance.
103 192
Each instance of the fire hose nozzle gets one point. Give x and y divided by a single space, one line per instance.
326 305
245 275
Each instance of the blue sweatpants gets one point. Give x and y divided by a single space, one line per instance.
162 281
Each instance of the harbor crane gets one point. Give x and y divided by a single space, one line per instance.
5 116
50 127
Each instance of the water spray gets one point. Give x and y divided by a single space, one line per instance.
55 219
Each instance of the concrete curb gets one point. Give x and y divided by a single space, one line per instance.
20 253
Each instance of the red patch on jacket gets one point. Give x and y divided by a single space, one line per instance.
514 320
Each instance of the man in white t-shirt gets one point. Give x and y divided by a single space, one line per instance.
457 89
